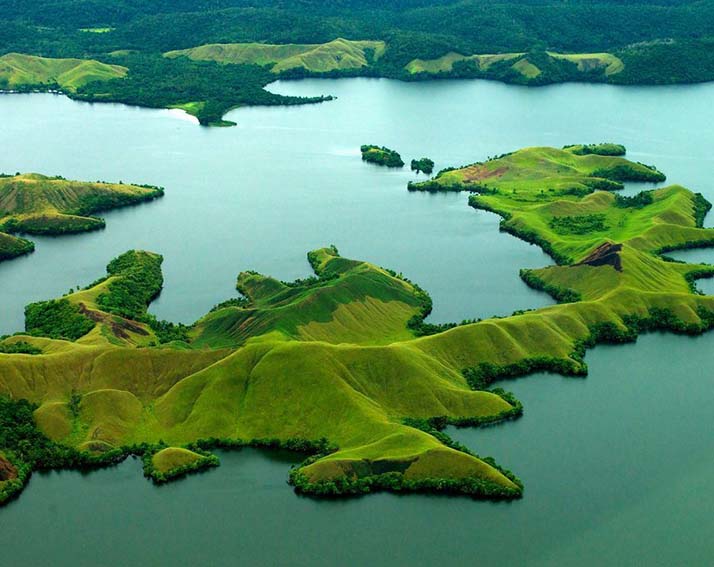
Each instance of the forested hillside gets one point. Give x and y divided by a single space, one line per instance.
654 41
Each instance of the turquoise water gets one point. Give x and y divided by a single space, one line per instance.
616 466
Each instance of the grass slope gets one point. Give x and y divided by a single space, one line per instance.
337 55
19 71
329 363
528 68
305 362
349 302
536 174
35 204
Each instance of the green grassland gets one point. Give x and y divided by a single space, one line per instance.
538 173
21 72
528 68
337 55
331 364
36 204
445 63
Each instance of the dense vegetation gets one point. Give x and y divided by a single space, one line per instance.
580 224
203 88
535 42
422 165
57 319
343 364
597 149
381 156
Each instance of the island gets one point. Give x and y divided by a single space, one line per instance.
422 165
31 203
381 156
342 366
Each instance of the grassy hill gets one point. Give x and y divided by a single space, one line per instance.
337 55
19 71
36 204
540 172
280 379
349 302
528 68
330 365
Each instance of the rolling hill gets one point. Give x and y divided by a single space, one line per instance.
20 71
36 204
337 55
331 365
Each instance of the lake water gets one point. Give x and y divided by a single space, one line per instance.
617 466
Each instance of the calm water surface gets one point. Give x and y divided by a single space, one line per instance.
617 466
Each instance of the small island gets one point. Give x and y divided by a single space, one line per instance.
341 367
381 156
424 165
53 206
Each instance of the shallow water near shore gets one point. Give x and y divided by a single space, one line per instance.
616 466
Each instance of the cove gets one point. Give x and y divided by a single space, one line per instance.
290 179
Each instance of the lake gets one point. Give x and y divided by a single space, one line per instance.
616 466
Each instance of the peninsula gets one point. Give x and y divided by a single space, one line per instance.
209 59
31 203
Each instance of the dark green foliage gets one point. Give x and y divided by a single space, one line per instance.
423 29
105 201
687 245
422 165
240 302
381 156
596 184
18 247
607 149
29 449
701 208
166 331
486 373
53 225
642 199
139 283
19 347
625 172
159 82
397 482
57 319
685 60
578 224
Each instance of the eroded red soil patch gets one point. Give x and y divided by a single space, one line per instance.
7 470
119 326
481 172
604 255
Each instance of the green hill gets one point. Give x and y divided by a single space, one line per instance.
330 366
18 71
529 68
337 55
35 204
349 302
